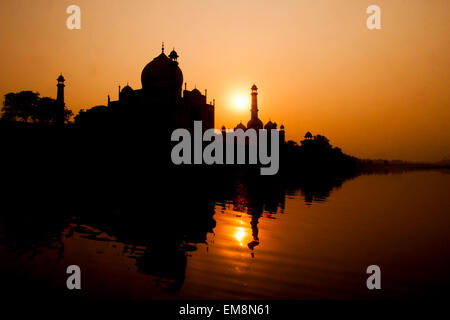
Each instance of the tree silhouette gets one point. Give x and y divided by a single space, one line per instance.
322 141
27 106
47 111
20 106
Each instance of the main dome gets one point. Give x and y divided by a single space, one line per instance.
162 72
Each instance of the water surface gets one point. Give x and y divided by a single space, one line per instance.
314 242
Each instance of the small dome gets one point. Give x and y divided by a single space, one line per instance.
196 91
223 128
127 89
270 125
240 126
60 78
308 135
254 87
255 124
126 92
173 55
282 127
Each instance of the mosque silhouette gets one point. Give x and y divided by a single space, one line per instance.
162 81
161 97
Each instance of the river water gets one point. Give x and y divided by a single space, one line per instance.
306 243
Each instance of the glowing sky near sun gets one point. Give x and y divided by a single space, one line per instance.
375 94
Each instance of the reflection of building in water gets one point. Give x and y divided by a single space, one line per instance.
319 189
159 235
255 200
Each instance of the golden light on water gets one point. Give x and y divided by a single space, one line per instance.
239 234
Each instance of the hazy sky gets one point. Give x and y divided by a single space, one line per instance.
376 94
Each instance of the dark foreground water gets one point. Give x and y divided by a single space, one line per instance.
297 244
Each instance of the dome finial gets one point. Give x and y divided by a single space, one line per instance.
162 49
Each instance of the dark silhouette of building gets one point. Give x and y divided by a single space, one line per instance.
60 101
161 99
256 123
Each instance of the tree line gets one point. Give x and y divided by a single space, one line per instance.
29 107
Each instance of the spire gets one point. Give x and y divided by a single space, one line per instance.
254 109
60 85
60 101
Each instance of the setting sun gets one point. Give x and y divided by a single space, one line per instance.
241 103
268 153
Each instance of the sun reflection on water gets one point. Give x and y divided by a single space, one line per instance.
239 234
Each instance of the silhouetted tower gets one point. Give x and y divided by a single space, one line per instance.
254 122
60 101
254 109
282 135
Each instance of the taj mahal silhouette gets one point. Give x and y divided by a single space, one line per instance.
162 102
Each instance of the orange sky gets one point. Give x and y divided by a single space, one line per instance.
376 94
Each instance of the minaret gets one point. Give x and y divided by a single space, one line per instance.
254 109
282 135
60 101
60 85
